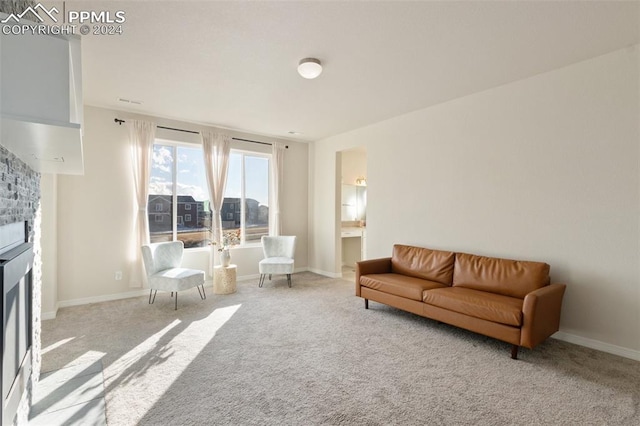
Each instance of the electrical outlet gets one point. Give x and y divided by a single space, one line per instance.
118 275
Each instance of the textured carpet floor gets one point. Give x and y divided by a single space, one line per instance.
312 354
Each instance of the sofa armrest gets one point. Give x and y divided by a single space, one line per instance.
541 314
372 266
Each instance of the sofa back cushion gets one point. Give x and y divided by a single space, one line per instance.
432 265
515 278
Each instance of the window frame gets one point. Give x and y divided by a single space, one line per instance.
174 144
269 157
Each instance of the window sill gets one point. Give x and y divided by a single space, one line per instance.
196 249
245 246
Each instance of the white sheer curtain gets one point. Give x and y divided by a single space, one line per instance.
216 147
277 177
142 134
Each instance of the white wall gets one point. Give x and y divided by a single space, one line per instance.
95 211
354 166
543 169
49 241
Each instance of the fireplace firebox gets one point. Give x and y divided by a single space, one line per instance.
16 262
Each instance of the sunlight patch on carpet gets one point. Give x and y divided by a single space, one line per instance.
222 315
87 357
149 352
56 345
175 346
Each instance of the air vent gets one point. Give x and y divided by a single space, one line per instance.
49 159
130 101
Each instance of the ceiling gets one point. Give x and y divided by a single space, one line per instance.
233 64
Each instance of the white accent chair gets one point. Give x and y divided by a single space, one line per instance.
162 263
278 257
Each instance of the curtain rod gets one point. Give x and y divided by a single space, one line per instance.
119 121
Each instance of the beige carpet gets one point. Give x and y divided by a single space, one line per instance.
312 354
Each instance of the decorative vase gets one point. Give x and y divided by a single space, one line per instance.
225 257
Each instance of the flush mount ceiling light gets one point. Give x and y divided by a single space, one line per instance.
309 68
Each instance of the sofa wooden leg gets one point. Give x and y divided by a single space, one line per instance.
514 351
366 303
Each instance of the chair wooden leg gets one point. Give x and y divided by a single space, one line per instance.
269 277
154 296
261 280
514 351
366 303
176 305
289 280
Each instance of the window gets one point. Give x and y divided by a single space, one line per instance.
247 195
178 182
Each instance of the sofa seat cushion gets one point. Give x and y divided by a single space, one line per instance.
399 285
478 304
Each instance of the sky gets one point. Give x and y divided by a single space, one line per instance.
191 175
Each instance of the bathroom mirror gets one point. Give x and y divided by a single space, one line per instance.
354 203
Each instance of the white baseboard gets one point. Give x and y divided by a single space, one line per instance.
44 316
598 345
325 273
255 277
134 293
104 298
248 277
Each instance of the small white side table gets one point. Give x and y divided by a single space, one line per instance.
224 279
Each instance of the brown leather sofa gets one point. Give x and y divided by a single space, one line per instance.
509 300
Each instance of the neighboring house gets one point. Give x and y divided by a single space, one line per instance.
191 214
252 212
263 214
159 210
255 213
194 214
188 211
230 213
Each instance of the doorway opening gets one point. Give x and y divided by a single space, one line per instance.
352 197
